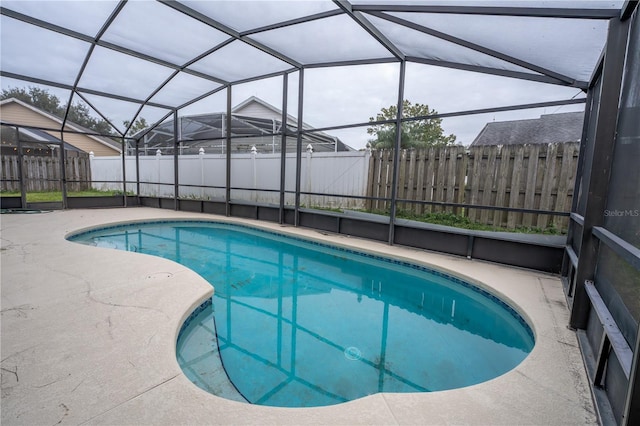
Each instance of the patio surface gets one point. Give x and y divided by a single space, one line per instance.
88 336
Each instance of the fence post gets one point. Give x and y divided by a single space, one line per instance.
369 159
308 172
158 155
254 193
201 159
91 166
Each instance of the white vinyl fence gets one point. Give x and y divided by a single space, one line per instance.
204 177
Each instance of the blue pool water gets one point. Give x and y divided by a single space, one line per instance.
296 323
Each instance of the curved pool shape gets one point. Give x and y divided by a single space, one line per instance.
298 323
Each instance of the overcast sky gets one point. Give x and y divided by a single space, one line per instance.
332 96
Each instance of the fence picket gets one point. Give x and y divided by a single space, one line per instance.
514 192
501 187
548 184
43 173
402 178
489 181
563 185
439 177
410 194
420 192
531 183
474 180
452 163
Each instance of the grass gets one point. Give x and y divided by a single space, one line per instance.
440 218
48 196
459 221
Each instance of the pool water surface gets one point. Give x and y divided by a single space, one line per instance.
295 323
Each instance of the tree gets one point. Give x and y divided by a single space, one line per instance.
79 113
414 134
139 124
36 97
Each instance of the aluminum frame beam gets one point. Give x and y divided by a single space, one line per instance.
540 78
283 24
538 12
361 20
597 182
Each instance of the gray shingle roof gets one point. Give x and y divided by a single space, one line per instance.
549 128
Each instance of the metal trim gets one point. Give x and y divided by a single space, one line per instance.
396 153
618 342
576 217
572 255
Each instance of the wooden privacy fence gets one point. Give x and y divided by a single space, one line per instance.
42 173
532 177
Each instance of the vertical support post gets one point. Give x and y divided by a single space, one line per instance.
228 144
63 171
176 146
598 179
283 146
396 154
581 155
299 147
576 186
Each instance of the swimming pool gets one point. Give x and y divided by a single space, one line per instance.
298 323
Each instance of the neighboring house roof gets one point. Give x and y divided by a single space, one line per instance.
251 120
32 138
40 136
256 107
549 128
69 124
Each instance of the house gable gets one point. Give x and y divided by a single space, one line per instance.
14 111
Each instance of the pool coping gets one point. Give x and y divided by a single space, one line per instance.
100 386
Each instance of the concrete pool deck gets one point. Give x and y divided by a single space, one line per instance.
88 336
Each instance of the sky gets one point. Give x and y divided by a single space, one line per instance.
332 96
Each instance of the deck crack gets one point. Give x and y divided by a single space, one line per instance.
129 399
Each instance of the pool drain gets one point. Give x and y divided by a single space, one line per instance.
352 353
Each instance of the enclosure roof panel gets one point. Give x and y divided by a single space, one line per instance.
417 44
163 55
168 35
568 46
40 53
86 17
333 39
237 61
247 15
